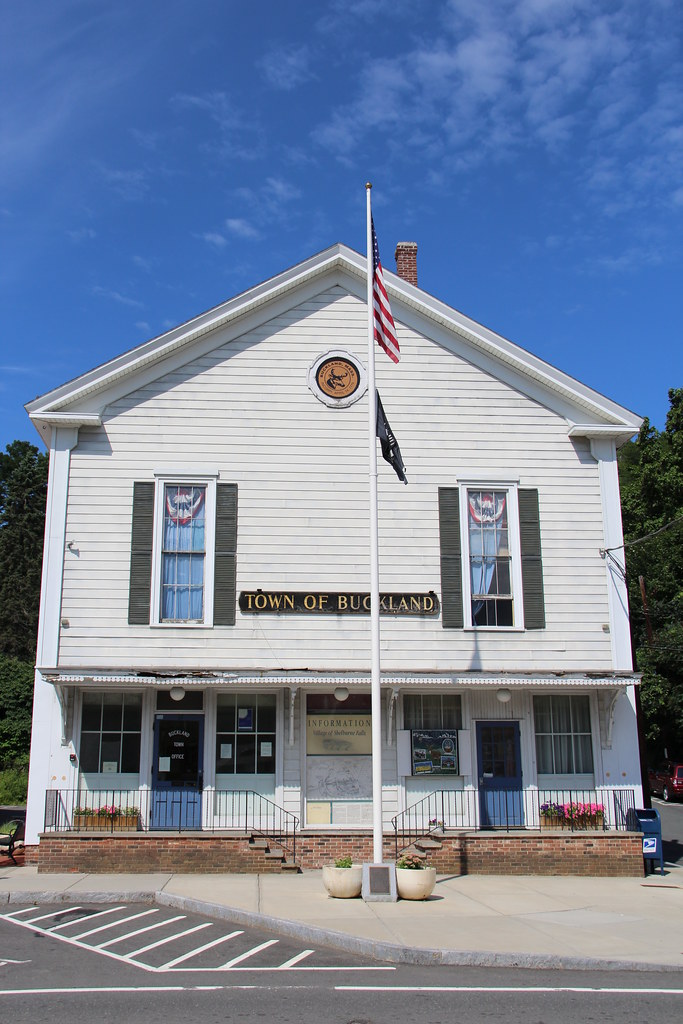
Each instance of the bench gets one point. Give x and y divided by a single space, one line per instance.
12 838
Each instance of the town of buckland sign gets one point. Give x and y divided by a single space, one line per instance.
309 602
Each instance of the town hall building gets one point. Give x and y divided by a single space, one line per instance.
203 663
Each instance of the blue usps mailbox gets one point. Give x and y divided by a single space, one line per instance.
648 821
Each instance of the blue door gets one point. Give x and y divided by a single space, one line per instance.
177 772
500 775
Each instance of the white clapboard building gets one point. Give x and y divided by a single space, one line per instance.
204 657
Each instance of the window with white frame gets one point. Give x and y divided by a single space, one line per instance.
432 711
110 732
491 537
183 567
183 554
245 734
488 534
490 555
564 744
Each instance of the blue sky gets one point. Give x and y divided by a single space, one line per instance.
156 158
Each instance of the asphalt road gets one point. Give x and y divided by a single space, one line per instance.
144 965
672 829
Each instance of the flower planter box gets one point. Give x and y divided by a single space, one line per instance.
100 823
552 821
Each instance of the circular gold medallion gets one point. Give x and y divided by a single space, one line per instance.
337 377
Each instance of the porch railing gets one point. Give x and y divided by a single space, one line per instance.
116 810
476 810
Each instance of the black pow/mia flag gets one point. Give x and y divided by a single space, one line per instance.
390 449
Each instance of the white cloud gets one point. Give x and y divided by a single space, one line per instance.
82 234
131 185
593 84
239 135
124 300
286 68
213 238
242 228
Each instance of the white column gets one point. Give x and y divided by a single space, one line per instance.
604 451
50 767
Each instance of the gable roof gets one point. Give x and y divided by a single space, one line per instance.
80 402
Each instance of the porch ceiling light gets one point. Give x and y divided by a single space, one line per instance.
504 695
176 693
341 693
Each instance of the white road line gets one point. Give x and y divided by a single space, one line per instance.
295 959
81 920
112 924
139 931
200 949
512 989
280 988
44 917
245 956
15 913
121 988
163 942
276 970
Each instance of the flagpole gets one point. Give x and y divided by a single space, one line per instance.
376 695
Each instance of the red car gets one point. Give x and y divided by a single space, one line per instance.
667 780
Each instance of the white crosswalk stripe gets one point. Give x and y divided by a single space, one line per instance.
122 932
141 931
195 952
112 924
249 953
163 942
70 924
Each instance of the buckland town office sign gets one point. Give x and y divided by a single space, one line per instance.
317 602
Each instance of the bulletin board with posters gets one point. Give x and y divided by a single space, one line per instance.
434 751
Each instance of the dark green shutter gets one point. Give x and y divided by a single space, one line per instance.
225 566
451 558
140 586
532 567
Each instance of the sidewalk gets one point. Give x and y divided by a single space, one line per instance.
471 919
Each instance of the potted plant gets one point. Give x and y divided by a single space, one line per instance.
552 815
111 816
83 818
343 879
415 880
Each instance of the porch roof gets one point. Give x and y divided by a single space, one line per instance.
356 680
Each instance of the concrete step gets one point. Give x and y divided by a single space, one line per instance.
274 853
428 844
258 844
291 866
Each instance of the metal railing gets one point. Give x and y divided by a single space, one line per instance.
475 810
177 810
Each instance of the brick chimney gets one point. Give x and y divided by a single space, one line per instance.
406 261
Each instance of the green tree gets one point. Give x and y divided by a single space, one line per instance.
23 490
651 478
16 687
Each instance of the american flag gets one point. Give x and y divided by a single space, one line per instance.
385 331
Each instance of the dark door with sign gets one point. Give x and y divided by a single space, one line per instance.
500 775
177 775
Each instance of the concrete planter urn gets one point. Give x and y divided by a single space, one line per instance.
343 883
415 883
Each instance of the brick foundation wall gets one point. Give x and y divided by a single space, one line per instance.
517 853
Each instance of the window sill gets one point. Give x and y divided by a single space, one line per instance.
181 625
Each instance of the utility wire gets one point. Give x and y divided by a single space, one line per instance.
639 540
